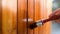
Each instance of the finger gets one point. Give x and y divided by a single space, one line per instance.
56 12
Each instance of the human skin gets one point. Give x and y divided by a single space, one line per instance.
56 12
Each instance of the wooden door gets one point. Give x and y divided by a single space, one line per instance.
18 14
30 11
42 11
22 17
9 16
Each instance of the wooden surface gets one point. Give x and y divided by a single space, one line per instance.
30 14
0 17
37 10
9 16
34 10
46 9
22 11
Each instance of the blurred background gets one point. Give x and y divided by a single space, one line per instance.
55 26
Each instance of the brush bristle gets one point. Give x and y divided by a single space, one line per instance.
32 26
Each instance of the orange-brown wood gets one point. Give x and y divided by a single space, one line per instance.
22 19
37 15
37 10
0 17
9 16
30 14
42 11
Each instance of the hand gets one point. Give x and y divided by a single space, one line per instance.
56 12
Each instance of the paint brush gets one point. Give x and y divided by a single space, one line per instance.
41 22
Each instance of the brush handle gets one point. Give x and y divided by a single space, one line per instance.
38 23
41 22
55 17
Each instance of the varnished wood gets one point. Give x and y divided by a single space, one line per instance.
37 15
42 11
30 14
0 17
37 10
22 13
9 16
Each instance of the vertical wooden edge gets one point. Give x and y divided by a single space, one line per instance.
22 10
0 16
20 25
30 14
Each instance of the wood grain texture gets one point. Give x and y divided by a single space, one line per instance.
30 14
45 11
37 15
22 19
37 10
9 16
42 11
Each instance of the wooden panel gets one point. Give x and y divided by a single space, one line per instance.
0 17
42 11
30 14
37 10
9 16
46 10
22 19
37 15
